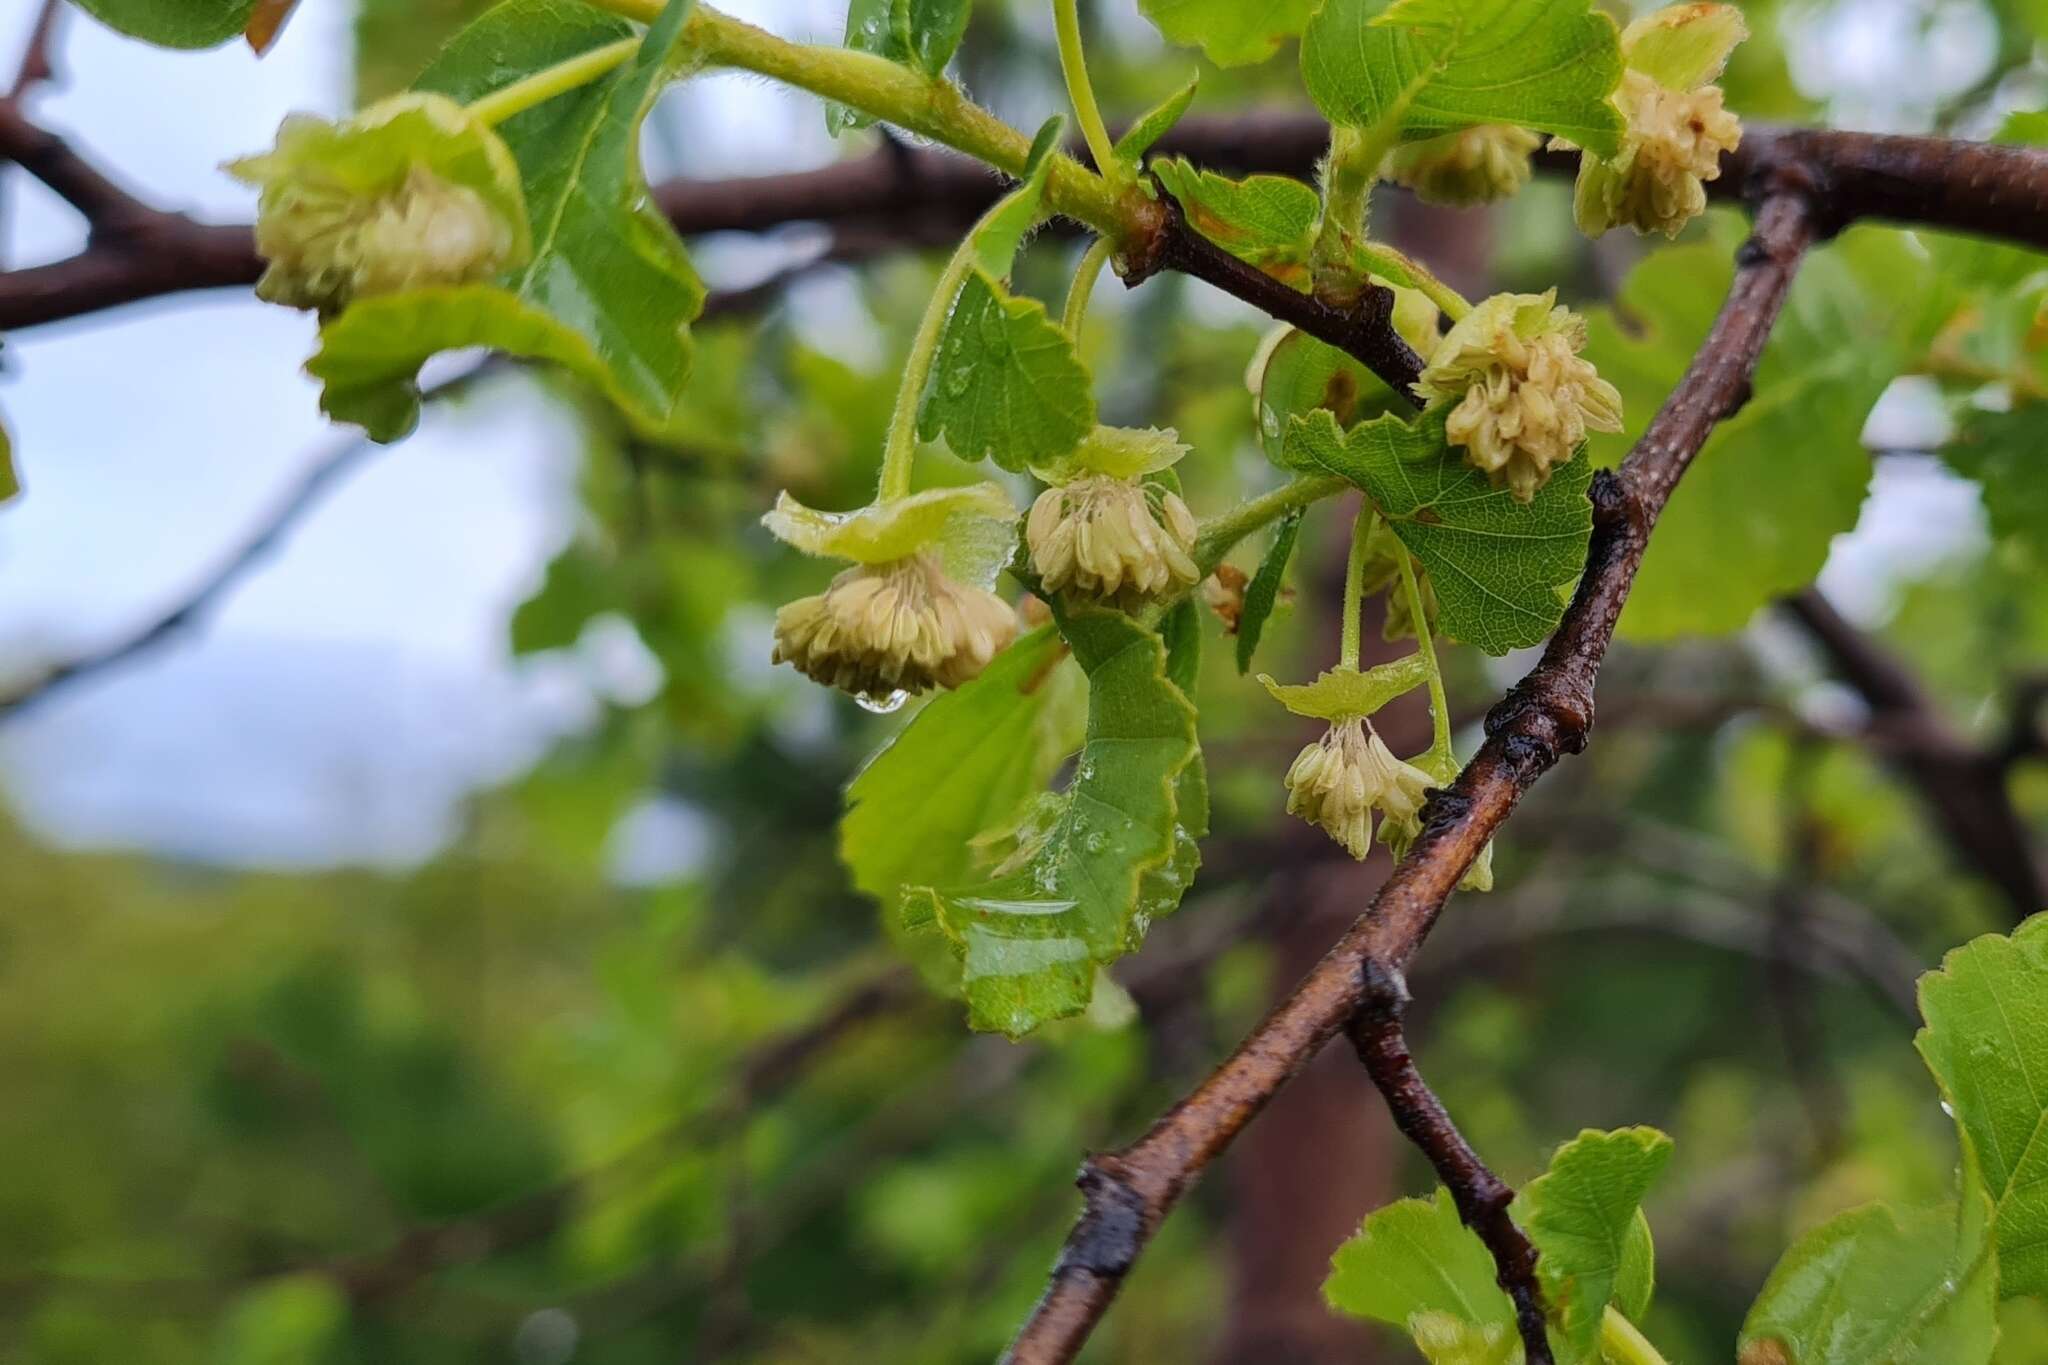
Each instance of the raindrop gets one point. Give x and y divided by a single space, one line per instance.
959 381
1095 841
882 706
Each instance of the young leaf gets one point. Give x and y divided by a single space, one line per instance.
1296 373
1008 385
1502 569
1264 590
1346 693
1229 32
1415 1257
997 237
2001 452
1986 1042
920 34
1435 66
609 290
1584 1215
1081 893
1745 519
1155 123
10 478
963 765
1873 1287
174 23
1266 220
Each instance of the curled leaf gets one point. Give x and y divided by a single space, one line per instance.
974 528
1120 452
1342 694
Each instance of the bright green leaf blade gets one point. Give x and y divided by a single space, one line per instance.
285 1320
973 525
1116 854
1181 632
2001 451
963 766
1002 229
1229 32
1263 591
173 23
1986 1042
1007 385
1301 373
1779 480
1584 1215
1415 1257
1435 66
1155 123
1682 46
920 34
10 478
609 290
1873 1287
1266 220
1502 569
1348 693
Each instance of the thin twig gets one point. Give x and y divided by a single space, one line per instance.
37 57
1481 1196
1130 1192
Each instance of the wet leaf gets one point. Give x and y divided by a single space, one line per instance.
1007 385
1229 32
1585 1216
1266 220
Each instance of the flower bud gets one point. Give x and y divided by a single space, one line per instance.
1675 125
1107 537
1524 400
1471 166
903 626
1339 781
411 192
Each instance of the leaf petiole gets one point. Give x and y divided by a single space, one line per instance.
900 450
1354 582
1074 66
1083 287
1622 1344
1425 639
558 79
1221 533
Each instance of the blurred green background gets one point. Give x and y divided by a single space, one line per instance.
519 1102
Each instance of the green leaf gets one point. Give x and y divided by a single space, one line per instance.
609 292
1118 850
1502 570
1296 373
1683 46
1266 220
920 34
964 765
1155 123
1001 231
174 23
1780 479
1121 452
2001 451
1264 589
1986 1041
1874 1287
284 1321
1348 693
1229 32
1415 1257
1007 385
1584 1215
974 525
10 478
1428 67
1181 632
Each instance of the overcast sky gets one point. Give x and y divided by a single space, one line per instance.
348 695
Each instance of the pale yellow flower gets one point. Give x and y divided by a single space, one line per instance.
1102 536
1341 779
1523 398
902 626
1471 166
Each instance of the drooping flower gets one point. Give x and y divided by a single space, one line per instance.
413 191
902 626
1522 398
1474 165
1341 779
1101 531
915 611
1676 127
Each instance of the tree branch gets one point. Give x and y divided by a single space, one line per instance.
1481 1196
1548 714
1962 785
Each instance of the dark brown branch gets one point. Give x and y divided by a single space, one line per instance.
1936 182
1962 784
1547 715
1481 1196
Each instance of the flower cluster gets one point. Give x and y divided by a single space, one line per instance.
411 192
1341 779
1676 126
1471 166
903 626
1108 537
1523 397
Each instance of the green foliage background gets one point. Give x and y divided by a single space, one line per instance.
503 1108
